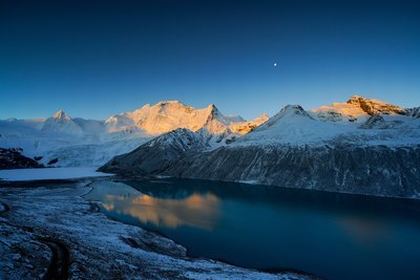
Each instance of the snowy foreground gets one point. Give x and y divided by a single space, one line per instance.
30 174
54 233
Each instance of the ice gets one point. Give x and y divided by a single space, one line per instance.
31 174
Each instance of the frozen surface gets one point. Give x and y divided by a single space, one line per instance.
31 174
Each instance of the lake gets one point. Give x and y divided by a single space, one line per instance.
333 236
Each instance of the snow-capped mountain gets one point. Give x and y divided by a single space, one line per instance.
61 123
357 109
77 141
245 127
291 125
166 116
159 153
361 146
359 121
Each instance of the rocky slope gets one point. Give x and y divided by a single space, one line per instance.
377 170
358 108
414 112
159 154
13 159
367 147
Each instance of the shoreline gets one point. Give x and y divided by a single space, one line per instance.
62 216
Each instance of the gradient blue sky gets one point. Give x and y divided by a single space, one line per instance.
96 58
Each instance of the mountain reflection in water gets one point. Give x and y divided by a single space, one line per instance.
331 235
196 209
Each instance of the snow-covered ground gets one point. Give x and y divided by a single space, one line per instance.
55 231
31 174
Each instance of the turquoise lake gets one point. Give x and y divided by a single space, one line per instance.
333 236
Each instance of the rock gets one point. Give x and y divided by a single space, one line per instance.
157 155
372 170
375 107
53 161
379 170
12 158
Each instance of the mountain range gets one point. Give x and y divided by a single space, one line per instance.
75 141
361 146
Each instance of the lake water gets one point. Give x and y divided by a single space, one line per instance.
330 235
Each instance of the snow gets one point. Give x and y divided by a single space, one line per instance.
169 115
245 127
94 154
291 125
61 123
120 251
82 142
348 110
295 126
31 174
359 108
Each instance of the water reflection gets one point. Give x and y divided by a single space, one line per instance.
363 230
199 210
272 228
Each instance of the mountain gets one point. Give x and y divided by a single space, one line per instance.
366 146
77 141
244 127
357 108
166 116
158 154
291 125
61 123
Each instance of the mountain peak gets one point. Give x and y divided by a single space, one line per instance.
166 102
357 108
290 110
213 110
359 100
60 122
291 107
61 115
374 106
356 98
288 113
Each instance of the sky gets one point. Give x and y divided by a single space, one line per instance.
97 58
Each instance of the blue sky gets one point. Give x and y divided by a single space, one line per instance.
97 58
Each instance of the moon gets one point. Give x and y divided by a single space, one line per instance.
275 64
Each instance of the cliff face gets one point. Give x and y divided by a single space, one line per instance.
376 170
373 170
